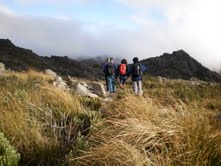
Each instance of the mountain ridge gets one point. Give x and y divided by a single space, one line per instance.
21 59
178 65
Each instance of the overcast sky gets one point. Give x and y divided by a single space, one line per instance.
126 28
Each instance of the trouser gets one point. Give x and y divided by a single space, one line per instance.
111 83
122 79
106 81
137 87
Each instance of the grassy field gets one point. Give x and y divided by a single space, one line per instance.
174 123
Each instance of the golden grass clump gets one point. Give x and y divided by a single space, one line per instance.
35 117
170 125
57 99
113 152
32 74
159 135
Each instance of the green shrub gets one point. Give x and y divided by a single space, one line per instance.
8 155
93 104
80 147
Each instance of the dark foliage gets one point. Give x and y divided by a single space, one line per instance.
20 59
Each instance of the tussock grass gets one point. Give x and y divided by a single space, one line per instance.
37 117
172 124
140 128
33 75
114 152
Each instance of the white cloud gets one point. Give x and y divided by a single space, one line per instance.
58 2
192 25
5 10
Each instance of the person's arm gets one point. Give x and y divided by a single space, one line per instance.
103 67
129 71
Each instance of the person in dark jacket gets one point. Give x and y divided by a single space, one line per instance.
122 73
111 72
136 72
105 74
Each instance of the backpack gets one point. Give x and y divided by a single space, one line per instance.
137 71
110 69
122 69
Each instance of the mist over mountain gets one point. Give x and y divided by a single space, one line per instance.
20 59
178 65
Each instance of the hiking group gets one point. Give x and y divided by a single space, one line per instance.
122 72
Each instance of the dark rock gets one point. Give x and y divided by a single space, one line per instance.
179 65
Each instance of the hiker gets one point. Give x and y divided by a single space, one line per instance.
122 73
105 74
136 71
110 71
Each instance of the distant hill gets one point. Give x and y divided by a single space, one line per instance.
20 59
176 65
181 65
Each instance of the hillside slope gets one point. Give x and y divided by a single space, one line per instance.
181 65
20 59
178 65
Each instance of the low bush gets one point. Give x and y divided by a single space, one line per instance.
8 154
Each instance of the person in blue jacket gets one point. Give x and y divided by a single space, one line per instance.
136 71
105 74
111 73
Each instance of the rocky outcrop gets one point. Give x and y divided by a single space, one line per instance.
60 83
50 72
90 89
179 65
83 91
2 67
97 88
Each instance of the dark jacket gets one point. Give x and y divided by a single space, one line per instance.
131 72
105 69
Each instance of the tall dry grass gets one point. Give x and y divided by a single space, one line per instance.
173 124
141 131
37 117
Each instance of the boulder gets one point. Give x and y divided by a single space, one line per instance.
50 72
60 83
73 82
83 91
2 67
97 88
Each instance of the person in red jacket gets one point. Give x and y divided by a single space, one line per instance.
122 73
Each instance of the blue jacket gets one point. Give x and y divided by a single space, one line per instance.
137 78
104 68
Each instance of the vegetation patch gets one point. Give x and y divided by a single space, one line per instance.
174 123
